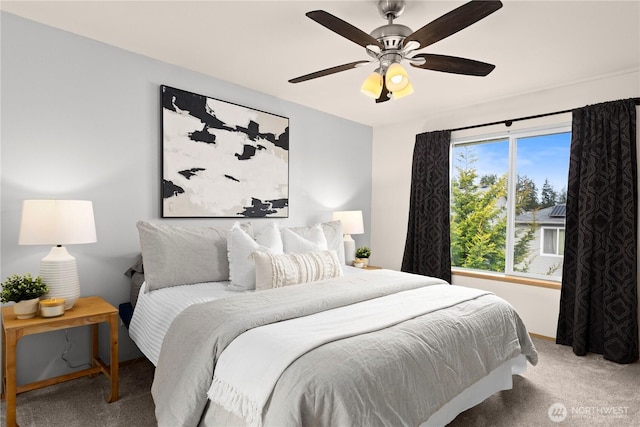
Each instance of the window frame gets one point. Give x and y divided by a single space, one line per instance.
512 136
557 230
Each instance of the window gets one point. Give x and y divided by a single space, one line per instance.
552 241
508 198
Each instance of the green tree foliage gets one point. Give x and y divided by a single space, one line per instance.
488 180
548 195
562 197
527 194
478 220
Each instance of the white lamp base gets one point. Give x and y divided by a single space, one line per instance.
349 249
60 273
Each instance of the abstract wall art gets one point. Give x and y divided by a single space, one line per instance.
222 160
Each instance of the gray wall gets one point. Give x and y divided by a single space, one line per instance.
81 120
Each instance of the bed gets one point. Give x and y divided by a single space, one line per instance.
310 341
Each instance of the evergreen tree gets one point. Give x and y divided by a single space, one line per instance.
562 197
548 196
527 194
488 180
478 220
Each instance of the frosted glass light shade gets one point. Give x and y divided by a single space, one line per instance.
408 90
396 78
58 222
372 86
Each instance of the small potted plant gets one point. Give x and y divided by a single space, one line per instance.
362 254
25 291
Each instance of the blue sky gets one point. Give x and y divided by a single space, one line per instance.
539 158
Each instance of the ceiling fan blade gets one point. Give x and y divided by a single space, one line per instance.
384 95
332 70
343 28
453 64
453 22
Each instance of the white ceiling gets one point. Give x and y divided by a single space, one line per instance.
535 45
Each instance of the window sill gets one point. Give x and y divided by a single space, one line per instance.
505 278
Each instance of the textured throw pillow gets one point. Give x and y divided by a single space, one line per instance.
241 246
182 256
304 239
277 270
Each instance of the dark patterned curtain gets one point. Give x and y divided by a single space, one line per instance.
427 248
599 301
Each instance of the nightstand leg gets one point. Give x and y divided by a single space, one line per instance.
10 373
113 323
94 345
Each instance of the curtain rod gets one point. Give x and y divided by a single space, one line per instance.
509 122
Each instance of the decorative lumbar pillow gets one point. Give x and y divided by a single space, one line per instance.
241 246
277 270
304 239
182 256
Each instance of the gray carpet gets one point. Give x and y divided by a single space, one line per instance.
592 390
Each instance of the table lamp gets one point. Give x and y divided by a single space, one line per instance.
351 224
58 222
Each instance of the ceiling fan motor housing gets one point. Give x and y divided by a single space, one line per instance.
390 9
391 35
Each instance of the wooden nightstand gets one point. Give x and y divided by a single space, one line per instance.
372 267
86 311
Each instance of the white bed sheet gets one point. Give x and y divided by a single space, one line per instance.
156 310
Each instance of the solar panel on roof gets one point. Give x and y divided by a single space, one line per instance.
558 211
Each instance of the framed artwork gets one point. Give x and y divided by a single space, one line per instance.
222 160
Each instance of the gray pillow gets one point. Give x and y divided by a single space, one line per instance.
182 256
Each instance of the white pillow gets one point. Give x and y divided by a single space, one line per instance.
304 239
242 271
335 238
333 234
277 270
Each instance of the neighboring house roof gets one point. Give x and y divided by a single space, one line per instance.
553 215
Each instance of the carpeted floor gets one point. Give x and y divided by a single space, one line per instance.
590 391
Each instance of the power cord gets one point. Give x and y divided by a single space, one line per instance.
67 349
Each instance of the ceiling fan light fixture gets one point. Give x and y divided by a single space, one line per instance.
396 78
408 90
372 86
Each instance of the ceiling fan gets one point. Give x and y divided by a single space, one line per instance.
391 44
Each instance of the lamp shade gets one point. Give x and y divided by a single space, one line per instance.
396 78
408 90
372 86
57 222
351 221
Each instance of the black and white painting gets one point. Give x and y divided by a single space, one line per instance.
221 159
